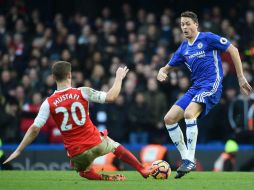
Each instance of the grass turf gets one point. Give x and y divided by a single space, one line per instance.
63 180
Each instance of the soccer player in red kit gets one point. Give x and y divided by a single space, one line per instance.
69 107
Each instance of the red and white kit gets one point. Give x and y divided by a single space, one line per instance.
70 110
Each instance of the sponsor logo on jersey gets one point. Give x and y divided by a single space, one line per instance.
223 40
199 54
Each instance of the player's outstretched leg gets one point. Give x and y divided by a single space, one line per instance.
92 175
185 168
126 156
147 171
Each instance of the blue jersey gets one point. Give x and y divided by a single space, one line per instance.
202 58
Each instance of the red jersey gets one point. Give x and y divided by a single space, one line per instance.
70 110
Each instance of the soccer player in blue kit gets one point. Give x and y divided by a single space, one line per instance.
201 54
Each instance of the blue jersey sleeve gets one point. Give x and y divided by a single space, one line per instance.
177 58
217 41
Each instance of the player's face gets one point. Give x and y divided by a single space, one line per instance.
189 27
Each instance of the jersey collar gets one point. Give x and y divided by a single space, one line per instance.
62 90
190 44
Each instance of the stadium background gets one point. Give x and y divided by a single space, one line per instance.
97 37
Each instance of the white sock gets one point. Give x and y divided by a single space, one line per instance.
176 136
192 135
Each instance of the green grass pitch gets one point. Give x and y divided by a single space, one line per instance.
63 180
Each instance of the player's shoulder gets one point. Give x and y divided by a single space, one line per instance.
183 45
204 35
69 89
45 103
79 89
51 98
74 89
59 93
209 35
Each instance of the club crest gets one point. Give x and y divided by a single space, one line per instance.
200 45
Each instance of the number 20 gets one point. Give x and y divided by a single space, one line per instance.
64 126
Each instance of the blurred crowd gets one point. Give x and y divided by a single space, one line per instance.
96 47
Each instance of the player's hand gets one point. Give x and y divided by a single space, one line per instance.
162 75
14 155
121 72
244 86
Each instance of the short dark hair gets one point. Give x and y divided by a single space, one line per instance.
60 69
191 15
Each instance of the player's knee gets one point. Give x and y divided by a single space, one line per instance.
189 115
169 120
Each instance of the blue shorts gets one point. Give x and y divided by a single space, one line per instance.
206 96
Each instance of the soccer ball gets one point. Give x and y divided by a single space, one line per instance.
163 171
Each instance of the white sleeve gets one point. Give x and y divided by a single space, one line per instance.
43 114
93 95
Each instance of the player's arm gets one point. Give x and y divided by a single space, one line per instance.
93 95
110 96
32 132
163 73
30 135
176 60
114 91
244 85
223 44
